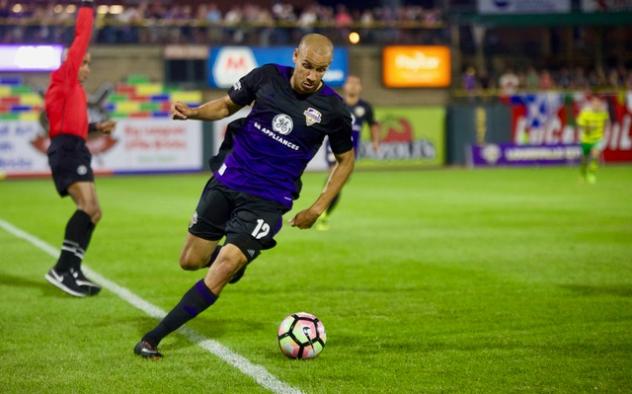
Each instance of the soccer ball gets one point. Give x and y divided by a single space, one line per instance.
301 335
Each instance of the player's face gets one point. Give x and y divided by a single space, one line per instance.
352 86
84 69
595 102
309 69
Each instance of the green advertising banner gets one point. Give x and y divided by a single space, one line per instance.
409 136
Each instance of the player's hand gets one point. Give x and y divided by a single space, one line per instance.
304 219
180 111
106 127
376 146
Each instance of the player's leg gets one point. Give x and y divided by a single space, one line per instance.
197 299
69 160
595 152
251 227
198 252
585 160
206 228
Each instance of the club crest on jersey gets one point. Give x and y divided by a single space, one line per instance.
359 111
312 116
282 124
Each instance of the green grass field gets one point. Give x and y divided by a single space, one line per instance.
430 281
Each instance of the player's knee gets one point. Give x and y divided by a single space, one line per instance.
228 264
187 264
189 261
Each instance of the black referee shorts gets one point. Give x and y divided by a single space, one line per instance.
69 161
248 222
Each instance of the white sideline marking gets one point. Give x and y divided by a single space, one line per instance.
257 372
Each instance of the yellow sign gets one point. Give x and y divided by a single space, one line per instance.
416 66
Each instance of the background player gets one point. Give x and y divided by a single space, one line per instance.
69 158
591 122
261 161
361 112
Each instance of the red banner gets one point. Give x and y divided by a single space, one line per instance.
549 119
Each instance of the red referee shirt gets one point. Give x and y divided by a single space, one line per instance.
66 104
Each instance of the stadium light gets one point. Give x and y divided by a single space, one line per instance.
354 37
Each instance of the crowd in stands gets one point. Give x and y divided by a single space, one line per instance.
150 22
511 81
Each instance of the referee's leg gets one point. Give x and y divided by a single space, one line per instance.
84 194
67 274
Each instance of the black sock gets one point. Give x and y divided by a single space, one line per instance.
77 237
213 255
197 299
333 204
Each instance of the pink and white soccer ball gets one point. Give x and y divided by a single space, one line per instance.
301 335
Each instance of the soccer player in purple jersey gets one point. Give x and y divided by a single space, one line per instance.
256 175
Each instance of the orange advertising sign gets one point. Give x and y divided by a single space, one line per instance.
416 66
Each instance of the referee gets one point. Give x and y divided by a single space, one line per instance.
69 158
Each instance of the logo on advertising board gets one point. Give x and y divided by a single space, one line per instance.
396 129
229 64
416 66
491 153
408 135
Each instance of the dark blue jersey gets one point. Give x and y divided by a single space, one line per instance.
266 153
361 112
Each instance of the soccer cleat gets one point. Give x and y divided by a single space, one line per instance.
81 280
67 283
147 350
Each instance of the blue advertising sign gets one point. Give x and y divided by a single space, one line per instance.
228 64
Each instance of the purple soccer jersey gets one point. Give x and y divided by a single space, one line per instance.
266 153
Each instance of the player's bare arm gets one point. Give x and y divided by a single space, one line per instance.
212 110
337 178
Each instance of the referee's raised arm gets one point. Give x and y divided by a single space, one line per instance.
81 41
